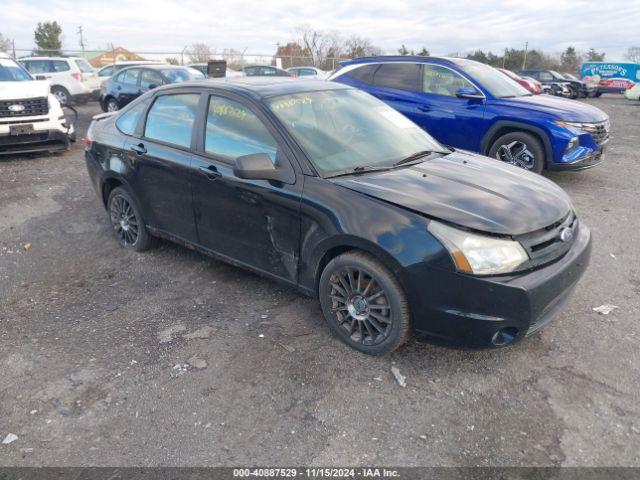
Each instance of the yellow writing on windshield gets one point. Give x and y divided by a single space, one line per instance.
291 103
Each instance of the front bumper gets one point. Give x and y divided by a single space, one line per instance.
473 311
38 141
588 161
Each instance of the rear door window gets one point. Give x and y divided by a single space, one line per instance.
171 119
129 77
60 66
364 73
402 76
128 120
38 66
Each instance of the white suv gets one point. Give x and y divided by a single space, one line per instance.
72 78
31 119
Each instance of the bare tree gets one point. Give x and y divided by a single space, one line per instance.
234 58
319 45
356 46
633 54
5 43
199 53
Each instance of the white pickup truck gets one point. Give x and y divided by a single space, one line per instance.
31 119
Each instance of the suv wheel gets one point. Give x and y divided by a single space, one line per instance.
364 304
520 149
112 105
127 222
62 95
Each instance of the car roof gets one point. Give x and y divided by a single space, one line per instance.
260 87
408 58
51 58
155 66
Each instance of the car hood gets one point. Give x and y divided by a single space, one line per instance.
469 190
21 90
561 108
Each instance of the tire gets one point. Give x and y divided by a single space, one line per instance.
111 105
574 94
357 284
597 94
127 222
509 148
62 95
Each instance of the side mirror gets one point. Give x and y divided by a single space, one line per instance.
469 92
257 166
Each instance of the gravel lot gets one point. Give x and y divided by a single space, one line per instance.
94 339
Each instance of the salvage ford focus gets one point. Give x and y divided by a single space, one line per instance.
323 187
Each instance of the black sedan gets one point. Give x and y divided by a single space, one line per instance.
131 82
325 188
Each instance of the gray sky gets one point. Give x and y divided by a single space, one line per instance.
441 26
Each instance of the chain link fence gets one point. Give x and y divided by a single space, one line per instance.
235 59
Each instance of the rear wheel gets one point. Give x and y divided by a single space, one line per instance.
62 95
364 304
520 149
127 222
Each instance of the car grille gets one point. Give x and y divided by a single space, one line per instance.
31 107
599 131
549 243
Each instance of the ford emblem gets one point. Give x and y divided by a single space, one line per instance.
16 108
566 234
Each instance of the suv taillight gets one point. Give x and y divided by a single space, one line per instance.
76 76
88 140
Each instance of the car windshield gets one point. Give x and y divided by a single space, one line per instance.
10 71
498 85
568 76
557 75
347 129
177 75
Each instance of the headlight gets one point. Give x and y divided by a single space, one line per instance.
479 254
572 145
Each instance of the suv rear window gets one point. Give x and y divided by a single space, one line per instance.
83 65
403 76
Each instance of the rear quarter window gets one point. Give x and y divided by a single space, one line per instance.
60 66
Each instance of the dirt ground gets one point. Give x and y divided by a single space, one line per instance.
109 357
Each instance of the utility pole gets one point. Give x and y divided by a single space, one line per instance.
504 58
80 32
524 60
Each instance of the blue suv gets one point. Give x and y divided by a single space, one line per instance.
472 106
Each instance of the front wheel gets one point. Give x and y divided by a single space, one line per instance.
112 105
364 304
520 149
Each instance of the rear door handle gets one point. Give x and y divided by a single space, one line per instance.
210 172
424 108
140 149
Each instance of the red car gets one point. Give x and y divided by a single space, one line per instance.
530 84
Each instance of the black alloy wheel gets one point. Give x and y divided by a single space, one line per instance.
364 304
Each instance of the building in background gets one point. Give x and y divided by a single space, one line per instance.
109 57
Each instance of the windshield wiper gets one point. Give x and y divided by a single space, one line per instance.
357 170
416 156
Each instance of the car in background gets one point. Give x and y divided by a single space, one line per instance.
72 79
470 105
131 82
308 72
31 119
111 70
633 93
558 85
324 188
529 85
265 71
586 89
203 67
539 88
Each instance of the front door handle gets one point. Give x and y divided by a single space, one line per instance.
140 149
210 172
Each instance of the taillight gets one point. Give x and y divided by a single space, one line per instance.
76 76
87 139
